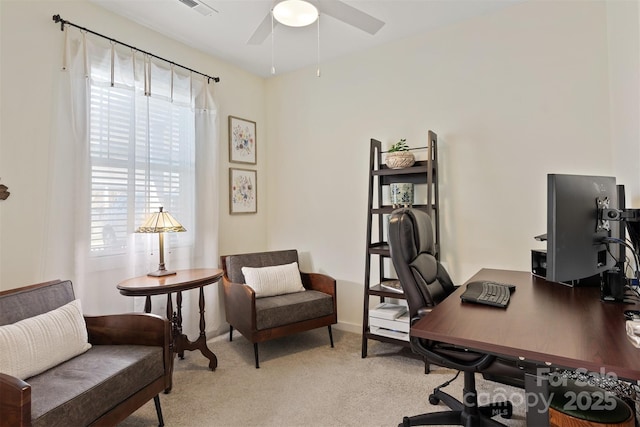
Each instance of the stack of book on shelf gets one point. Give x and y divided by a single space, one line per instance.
389 320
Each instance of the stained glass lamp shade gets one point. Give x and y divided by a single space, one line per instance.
161 222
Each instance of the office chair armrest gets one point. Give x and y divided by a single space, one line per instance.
452 357
424 311
421 313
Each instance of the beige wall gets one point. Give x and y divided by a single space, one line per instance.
30 57
624 68
512 96
533 89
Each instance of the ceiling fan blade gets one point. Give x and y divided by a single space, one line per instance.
262 32
351 16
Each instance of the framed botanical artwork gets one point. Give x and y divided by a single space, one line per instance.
243 191
242 141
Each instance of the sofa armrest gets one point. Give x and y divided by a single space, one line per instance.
132 328
319 282
15 402
239 305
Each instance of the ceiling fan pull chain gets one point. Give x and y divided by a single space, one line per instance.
273 66
318 70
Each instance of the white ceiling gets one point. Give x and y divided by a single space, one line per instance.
225 34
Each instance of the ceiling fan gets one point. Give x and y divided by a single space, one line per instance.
335 8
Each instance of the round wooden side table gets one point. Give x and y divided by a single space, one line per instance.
146 286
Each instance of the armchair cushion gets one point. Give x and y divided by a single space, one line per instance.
288 309
274 279
33 345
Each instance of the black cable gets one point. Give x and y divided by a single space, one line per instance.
446 383
633 235
628 246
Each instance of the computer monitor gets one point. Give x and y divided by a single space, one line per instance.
575 228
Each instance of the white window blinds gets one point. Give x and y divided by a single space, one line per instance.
142 156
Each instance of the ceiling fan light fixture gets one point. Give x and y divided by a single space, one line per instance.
295 13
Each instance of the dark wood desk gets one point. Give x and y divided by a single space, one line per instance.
545 324
146 286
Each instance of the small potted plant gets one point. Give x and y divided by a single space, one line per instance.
399 155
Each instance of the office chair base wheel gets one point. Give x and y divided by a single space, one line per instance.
433 399
508 414
504 409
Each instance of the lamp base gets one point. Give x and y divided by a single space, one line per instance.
160 273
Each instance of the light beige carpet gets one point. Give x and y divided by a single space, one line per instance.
302 381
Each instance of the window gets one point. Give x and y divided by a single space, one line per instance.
118 155
141 157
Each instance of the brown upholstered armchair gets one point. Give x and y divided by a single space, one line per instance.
261 319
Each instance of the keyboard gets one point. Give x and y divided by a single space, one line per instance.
488 293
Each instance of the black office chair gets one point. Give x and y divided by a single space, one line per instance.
425 283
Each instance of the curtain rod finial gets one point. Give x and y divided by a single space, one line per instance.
56 19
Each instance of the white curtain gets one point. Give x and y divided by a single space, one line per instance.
121 107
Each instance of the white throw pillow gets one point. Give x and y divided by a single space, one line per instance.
273 280
33 345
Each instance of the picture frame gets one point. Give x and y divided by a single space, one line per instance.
243 191
242 141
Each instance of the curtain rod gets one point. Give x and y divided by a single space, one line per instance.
58 19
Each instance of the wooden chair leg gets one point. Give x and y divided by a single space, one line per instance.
156 401
230 333
330 336
255 352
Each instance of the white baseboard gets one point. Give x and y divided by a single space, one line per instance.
356 328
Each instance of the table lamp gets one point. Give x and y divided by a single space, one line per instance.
161 222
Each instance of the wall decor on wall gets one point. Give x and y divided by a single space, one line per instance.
4 192
243 191
242 140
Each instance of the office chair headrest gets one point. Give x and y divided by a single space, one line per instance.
415 232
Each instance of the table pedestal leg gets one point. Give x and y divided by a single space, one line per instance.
183 343
172 344
178 321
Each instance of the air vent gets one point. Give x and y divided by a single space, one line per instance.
199 7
